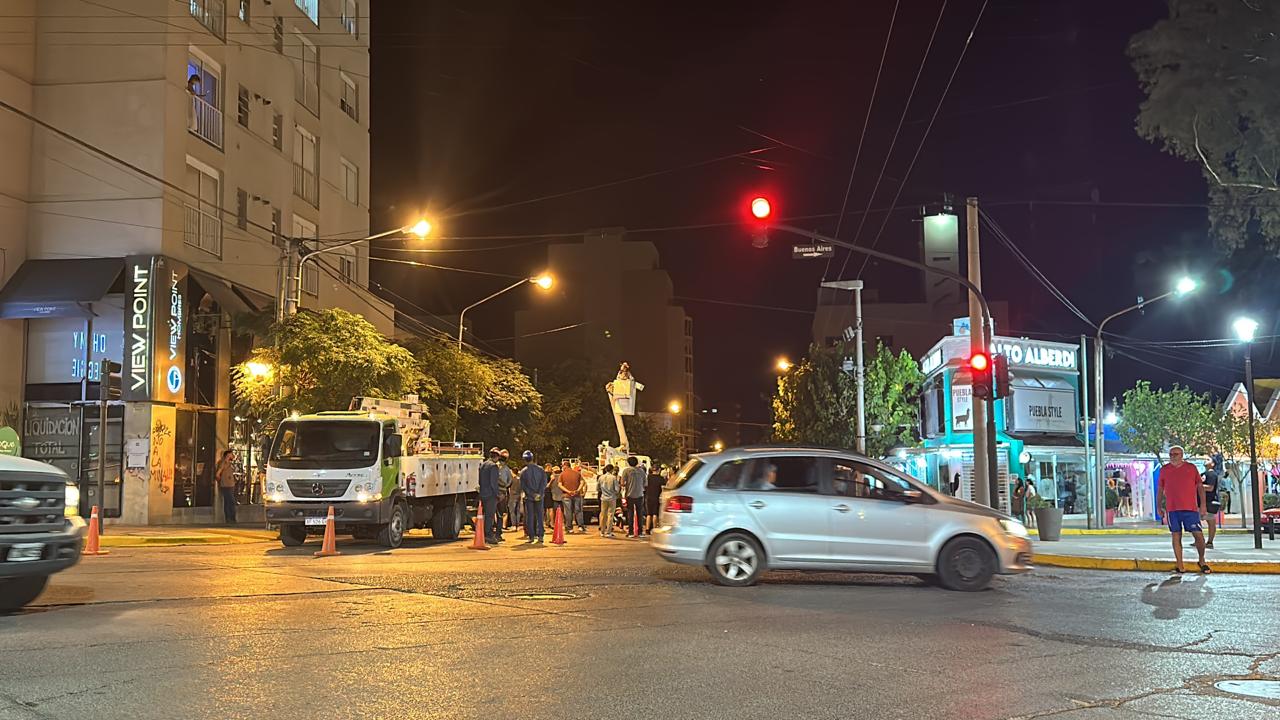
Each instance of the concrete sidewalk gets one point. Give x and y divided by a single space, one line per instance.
117 536
1233 553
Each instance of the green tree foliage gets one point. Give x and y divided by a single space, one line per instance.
892 388
496 401
1152 420
321 360
647 437
1210 72
575 412
816 401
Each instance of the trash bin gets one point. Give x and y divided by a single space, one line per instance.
1049 523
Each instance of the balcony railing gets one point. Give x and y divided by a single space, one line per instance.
212 14
306 185
205 121
202 229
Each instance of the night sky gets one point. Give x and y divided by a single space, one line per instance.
541 119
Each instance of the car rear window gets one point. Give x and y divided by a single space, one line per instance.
690 469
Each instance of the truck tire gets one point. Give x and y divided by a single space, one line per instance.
446 522
392 534
293 535
17 592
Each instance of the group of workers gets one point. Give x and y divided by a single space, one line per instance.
628 497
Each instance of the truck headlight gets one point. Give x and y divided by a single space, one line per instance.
73 500
1014 528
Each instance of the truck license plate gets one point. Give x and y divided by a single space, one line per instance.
26 552
314 521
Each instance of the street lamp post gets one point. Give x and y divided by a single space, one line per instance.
674 407
291 291
543 281
1245 329
1183 286
860 372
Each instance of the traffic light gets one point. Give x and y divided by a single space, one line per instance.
761 212
980 369
1000 376
109 381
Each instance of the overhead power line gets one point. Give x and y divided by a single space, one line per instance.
866 121
1035 271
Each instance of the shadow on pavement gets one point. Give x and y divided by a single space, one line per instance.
1176 594
349 546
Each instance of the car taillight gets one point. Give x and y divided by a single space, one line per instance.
679 504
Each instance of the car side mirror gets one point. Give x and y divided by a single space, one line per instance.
392 446
912 496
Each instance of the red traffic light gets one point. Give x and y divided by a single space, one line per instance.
761 209
979 362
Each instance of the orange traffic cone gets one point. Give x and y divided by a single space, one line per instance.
329 546
478 543
635 522
557 535
91 545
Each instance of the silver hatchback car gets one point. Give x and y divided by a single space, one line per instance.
745 510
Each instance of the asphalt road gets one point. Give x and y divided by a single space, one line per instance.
604 629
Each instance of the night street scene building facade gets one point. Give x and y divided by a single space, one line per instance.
255 128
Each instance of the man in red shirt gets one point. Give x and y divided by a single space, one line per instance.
1182 496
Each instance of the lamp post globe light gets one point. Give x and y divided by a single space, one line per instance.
291 294
1183 286
1245 329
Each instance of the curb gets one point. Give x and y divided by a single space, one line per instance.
125 541
1142 565
1134 531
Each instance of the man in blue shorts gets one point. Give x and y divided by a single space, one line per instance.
1182 495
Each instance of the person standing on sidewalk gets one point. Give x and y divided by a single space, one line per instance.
226 475
1182 495
1212 500
633 480
554 499
652 493
571 486
489 493
533 483
607 484
510 489
1018 500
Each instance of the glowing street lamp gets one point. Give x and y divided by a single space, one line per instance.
674 407
1246 328
783 365
258 369
717 446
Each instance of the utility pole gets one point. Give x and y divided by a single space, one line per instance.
1084 414
982 470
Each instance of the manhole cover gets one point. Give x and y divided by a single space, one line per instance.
1269 689
543 596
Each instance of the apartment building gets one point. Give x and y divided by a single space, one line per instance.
156 154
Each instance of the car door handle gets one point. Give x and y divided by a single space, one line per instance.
841 508
756 504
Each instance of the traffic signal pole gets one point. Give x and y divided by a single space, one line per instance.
984 493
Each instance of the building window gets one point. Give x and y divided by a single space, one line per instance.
210 13
305 170
204 85
276 219
311 8
350 182
242 209
242 106
307 78
277 34
202 226
243 11
350 100
347 268
351 17
305 229
277 131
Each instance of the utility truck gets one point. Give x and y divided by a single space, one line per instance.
376 466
